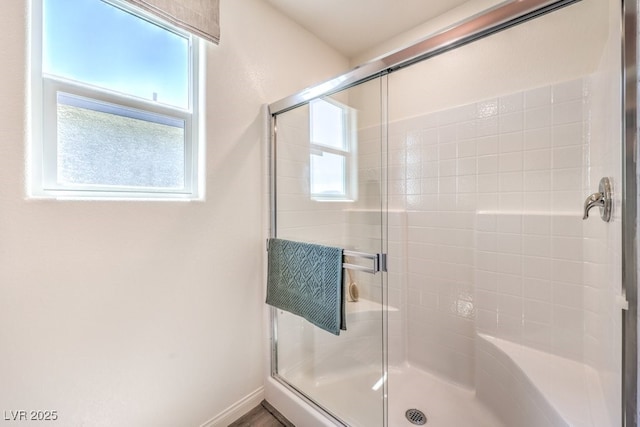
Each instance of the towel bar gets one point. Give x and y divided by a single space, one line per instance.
379 262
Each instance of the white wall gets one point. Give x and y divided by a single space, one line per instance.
135 313
432 26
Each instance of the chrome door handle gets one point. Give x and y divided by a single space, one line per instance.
601 199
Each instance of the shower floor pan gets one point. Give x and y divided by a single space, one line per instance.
444 404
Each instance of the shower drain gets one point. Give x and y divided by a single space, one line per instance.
416 416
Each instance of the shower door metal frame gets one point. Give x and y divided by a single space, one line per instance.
501 17
629 78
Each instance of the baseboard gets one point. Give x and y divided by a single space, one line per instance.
236 410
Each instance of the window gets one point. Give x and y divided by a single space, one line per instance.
333 144
118 91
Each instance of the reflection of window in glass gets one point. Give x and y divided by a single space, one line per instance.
119 96
333 146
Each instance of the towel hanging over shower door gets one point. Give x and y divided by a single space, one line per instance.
306 279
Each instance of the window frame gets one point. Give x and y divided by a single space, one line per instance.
349 121
43 164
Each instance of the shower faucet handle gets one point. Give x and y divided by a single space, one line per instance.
596 199
601 199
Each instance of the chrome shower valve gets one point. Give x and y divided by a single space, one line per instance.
601 199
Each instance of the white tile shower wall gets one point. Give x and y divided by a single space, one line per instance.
514 160
366 223
364 230
529 281
397 285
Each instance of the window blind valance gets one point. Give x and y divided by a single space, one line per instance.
199 17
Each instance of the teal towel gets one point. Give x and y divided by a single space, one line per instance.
306 279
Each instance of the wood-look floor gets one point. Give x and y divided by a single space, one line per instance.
263 415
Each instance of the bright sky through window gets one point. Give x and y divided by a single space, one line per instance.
140 59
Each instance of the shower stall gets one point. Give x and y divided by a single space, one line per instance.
459 172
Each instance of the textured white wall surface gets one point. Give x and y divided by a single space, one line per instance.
146 313
432 26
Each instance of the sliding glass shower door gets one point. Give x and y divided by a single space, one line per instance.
505 139
329 182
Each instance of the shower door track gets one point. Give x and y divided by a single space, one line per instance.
501 17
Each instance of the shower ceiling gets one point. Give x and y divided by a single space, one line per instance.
354 26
